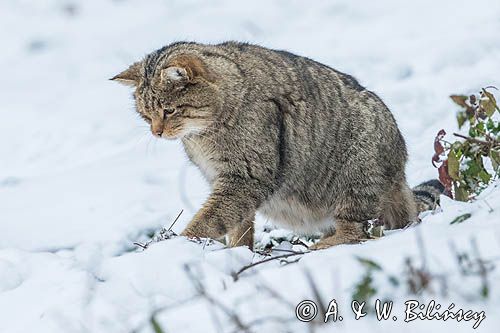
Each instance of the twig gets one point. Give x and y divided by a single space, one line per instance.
241 237
140 245
163 309
483 269
164 234
486 135
279 250
233 316
180 213
490 210
244 268
494 142
315 290
276 295
271 318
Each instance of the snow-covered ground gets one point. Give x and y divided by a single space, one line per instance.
81 178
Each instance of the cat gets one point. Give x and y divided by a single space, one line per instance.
296 140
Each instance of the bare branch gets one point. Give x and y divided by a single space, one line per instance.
179 215
244 268
493 143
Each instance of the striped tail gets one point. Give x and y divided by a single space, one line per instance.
427 195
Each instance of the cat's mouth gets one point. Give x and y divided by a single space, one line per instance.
164 131
169 137
171 134
178 131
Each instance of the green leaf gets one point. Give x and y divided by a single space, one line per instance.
489 104
461 193
472 120
480 126
456 145
461 218
370 264
465 148
484 176
364 289
156 326
393 280
495 159
461 118
490 125
485 291
453 165
473 168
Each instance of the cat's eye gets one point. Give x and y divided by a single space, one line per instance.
145 117
168 111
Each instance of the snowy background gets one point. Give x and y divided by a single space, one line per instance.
81 177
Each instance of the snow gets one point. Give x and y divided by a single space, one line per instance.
81 178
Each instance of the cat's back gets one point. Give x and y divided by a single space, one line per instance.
274 71
286 73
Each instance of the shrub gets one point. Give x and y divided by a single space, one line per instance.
471 163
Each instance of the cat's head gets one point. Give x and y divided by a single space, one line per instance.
177 96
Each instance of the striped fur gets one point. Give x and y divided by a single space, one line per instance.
274 132
427 195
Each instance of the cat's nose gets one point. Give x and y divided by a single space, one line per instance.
157 128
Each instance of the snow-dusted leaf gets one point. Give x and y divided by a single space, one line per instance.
453 165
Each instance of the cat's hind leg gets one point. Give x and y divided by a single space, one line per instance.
346 232
356 203
399 207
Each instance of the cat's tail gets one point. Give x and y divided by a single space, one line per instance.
427 195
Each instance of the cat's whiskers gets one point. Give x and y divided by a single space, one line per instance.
141 138
193 141
190 141
148 144
204 137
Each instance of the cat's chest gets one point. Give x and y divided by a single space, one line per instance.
203 156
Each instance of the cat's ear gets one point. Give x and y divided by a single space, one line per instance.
130 76
186 68
174 74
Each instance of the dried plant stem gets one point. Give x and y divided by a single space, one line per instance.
493 143
241 237
244 268
179 215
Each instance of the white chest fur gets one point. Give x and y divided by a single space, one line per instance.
202 156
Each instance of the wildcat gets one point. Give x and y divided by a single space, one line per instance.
281 134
